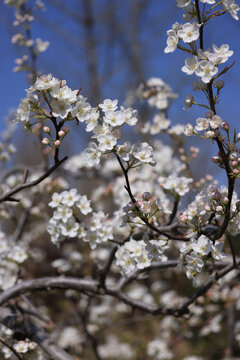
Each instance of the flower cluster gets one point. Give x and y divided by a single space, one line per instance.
175 185
203 63
139 254
24 16
66 223
197 252
157 92
210 201
23 347
210 123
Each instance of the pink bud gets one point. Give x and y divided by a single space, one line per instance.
45 141
183 218
61 133
225 126
57 143
209 177
235 171
46 129
234 163
224 200
183 158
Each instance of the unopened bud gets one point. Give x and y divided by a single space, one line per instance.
146 196
209 177
225 126
207 208
219 208
235 171
61 133
224 200
234 163
183 218
57 143
152 163
45 141
46 129
219 84
188 102
183 158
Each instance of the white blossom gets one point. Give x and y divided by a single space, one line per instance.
206 70
189 32
191 64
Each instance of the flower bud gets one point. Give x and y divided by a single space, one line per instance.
235 171
219 208
57 143
152 163
209 177
146 196
46 129
183 218
225 126
234 163
238 136
188 102
224 200
219 84
61 133
45 141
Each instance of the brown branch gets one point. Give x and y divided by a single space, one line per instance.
48 283
8 196
105 270
224 156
